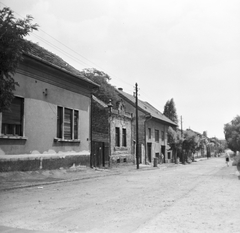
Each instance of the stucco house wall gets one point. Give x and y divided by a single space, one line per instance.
148 117
122 153
43 88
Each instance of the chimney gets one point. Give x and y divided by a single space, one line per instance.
120 89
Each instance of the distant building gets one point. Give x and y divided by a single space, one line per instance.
111 135
153 126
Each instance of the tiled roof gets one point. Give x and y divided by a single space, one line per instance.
146 107
52 59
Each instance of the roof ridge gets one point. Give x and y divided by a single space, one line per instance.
52 59
146 107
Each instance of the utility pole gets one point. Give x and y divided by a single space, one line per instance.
137 147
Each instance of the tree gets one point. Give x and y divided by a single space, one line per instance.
12 46
106 91
191 142
175 142
170 111
232 134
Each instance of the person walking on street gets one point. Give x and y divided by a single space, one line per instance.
227 159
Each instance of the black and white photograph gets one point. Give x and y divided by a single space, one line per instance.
119 116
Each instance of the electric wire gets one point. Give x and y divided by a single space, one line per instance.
66 53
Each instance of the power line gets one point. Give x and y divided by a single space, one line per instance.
66 53
59 49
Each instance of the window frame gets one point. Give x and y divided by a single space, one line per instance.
17 130
162 136
124 137
67 118
117 136
156 135
149 133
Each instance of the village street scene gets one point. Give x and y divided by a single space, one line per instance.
80 151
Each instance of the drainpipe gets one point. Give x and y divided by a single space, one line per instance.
148 117
91 121
109 128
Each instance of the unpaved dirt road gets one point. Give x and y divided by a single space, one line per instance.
200 197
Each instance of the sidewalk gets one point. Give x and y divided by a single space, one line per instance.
17 180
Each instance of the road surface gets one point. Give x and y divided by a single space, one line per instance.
200 197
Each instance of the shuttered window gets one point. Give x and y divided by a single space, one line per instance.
67 123
12 119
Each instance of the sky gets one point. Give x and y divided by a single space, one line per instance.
182 49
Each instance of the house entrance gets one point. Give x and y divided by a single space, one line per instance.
149 152
163 152
99 154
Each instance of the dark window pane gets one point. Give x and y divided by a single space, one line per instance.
75 124
59 122
117 136
124 137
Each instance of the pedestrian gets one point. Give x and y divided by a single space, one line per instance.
227 159
162 158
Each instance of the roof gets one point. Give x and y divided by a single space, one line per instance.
52 59
147 108
100 102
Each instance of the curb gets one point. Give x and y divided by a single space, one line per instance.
142 168
55 182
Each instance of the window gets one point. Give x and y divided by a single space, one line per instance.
156 135
124 137
117 136
12 119
149 133
67 123
163 135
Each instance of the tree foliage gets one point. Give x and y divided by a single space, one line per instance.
232 134
12 46
106 91
170 111
191 141
174 139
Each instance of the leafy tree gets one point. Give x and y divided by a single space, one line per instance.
232 134
106 91
12 46
191 142
174 141
170 111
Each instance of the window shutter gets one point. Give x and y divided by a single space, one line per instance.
14 114
68 124
12 119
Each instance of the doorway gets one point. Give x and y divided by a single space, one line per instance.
98 152
163 152
149 152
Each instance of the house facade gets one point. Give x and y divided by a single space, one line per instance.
152 128
48 124
111 135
